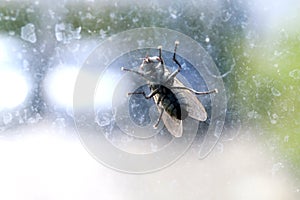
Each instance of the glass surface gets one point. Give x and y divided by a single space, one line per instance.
65 115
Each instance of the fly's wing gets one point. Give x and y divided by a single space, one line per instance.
173 125
194 107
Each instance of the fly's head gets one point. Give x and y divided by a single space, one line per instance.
150 64
152 68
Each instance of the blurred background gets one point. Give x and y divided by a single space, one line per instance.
256 47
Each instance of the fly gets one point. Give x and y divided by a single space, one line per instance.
174 100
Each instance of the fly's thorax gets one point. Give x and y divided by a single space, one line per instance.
168 83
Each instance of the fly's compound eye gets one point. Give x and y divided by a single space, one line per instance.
146 60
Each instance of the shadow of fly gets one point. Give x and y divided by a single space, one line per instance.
174 100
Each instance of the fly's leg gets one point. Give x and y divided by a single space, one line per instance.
154 92
174 56
133 71
161 67
159 119
172 76
196 92
160 55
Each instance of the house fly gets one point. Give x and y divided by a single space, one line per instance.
174 100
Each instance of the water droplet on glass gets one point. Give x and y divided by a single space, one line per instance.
202 16
173 12
104 118
276 167
277 53
286 138
295 74
154 147
66 32
25 65
135 20
173 15
59 122
226 15
275 92
102 34
35 119
220 147
11 33
7 118
207 39
284 34
112 15
257 80
273 118
28 33
253 114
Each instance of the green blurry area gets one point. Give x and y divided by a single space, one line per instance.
14 15
268 91
263 83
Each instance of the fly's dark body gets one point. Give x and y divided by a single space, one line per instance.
169 101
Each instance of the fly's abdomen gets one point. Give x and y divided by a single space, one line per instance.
168 100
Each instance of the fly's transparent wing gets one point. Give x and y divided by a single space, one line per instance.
194 107
173 125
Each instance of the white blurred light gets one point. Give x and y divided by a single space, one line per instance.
49 157
13 89
105 90
3 52
13 85
270 14
60 85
